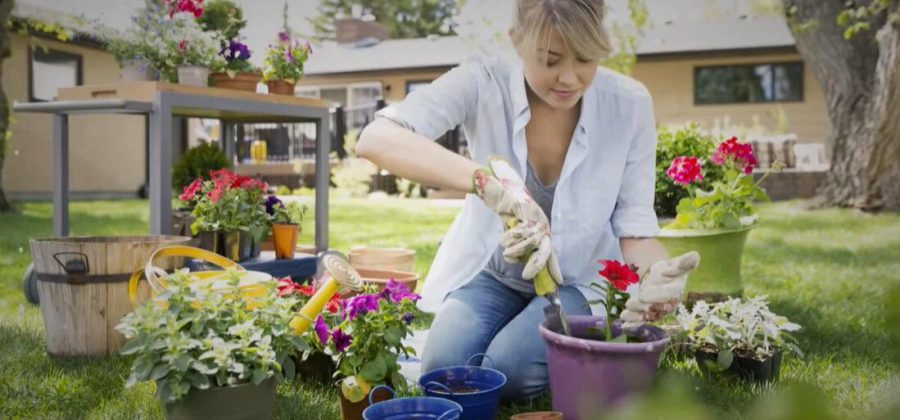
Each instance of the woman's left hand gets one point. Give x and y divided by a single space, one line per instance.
660 291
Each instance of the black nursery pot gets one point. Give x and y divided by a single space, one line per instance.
746 368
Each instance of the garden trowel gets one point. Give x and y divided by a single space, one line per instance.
544 285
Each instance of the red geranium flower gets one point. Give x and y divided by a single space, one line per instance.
619 275
285 286
191 190
334 304
685 170
740 153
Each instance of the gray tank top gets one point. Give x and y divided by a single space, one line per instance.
511 274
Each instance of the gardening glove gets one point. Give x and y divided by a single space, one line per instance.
660 290
527 231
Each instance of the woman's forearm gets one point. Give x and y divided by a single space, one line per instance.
414 157
642 252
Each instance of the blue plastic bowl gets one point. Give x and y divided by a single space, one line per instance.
476 389
411 408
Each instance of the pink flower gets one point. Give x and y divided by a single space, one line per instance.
182 46
190 191
322 330
685 170
341 340
740 153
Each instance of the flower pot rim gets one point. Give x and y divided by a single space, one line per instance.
285 224
603 346
665 232
257 75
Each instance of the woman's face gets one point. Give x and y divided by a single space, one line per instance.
555 73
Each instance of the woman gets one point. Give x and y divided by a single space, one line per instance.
583 139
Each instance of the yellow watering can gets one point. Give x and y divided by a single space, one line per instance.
339 274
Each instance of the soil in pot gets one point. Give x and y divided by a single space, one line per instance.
353 410
246 401
241 81
747 368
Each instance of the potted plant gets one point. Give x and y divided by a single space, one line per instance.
185 46
739 336
612 362
365 342
224 17
283 65
234 70
134 56
685 141
211 355
286 228
715 221
229 213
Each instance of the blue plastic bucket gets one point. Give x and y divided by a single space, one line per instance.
475 388
411 408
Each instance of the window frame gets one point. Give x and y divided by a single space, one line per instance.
79 69
753 66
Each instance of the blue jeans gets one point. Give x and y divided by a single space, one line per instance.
485 316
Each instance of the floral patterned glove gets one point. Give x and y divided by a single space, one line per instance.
660 291
527 231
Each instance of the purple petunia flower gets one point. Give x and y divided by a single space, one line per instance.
341 340
397 291
408 318
289 55
361 305
284 37
271 202
236 51
322 330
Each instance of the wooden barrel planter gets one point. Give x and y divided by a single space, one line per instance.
83 288
396 259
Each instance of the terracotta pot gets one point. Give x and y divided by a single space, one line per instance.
285 238
380 278
354 410
395 259
241 81
280 87
540 415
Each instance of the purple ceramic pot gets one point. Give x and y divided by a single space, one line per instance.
588 376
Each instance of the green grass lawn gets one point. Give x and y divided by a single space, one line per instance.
829 270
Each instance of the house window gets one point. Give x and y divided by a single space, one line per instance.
357 95
754 83
412 85
50 70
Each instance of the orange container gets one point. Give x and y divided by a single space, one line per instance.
285 238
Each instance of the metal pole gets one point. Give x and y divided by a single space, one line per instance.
323 171
161 166
60 174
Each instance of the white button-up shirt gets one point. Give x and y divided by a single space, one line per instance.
606 188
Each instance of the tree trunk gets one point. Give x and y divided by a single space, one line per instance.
5 11
861 82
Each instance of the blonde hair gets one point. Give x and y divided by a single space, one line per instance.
578 22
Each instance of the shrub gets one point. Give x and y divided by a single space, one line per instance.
687 141
197 162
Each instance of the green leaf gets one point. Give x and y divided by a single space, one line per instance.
290 370
159 372
375 370
621 338
724 359
198 380
132 346
142 367
259 375
393 335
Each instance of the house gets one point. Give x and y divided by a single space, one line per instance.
107 153
735 73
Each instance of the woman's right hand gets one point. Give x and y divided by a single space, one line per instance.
528 239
